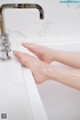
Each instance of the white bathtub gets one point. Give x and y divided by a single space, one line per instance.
61 102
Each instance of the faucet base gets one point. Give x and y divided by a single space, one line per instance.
5 60
4 47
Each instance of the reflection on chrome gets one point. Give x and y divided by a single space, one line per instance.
4 42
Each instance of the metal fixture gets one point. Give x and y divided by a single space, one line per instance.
4 41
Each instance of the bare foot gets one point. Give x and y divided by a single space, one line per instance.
45 54
37 66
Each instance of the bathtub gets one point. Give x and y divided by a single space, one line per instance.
60 102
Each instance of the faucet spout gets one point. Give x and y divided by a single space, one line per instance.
4 42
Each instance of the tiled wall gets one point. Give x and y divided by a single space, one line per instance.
62 21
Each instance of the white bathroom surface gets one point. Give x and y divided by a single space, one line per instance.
19 97
61 24
61 21
14 98
60 101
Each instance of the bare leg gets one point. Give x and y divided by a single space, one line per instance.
48 55
45 54
34 64
69 58
43 71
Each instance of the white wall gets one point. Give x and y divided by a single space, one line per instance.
62 21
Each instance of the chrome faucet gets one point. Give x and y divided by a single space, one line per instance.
4 41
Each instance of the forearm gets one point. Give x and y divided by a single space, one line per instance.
69 77
69 58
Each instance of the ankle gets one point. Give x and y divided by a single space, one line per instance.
54 55
50 72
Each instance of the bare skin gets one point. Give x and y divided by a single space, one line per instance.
41 69
48 55
34 64
43 53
